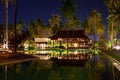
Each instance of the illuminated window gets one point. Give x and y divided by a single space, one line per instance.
75 44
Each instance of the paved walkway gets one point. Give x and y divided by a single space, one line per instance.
9 58
115 62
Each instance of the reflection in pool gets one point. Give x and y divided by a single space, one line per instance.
45 70
66 53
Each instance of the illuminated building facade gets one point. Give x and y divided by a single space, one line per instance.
73 39
72 44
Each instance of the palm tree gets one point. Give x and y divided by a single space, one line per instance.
46 32
6 22
112 4
31 28
11 35
55 23
112 24
73 23
15 19
86 27
95 22
68 11
114 17
100 30
19 28
35 28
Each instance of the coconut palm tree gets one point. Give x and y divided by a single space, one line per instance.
112 25
112 4
114 17
95 22
19 28
11 35
73 23
68 11
31 28
100 31
86 27
36 28
55 23
6 22
15 19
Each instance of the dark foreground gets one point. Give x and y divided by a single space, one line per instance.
8 58
41 70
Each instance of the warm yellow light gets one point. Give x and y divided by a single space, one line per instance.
47 39
76 52
5 46
42 46
75 44
59 39
26 46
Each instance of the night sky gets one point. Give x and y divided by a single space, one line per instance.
32 9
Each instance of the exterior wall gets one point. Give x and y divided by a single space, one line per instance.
65 43
41 43
73 43
72 48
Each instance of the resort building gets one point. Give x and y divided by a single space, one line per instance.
66 44
41 43
72 39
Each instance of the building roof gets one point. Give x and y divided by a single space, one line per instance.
69 34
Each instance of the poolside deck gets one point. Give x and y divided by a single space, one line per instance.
11 58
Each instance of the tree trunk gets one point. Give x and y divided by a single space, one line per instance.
15 15
112 36
6 24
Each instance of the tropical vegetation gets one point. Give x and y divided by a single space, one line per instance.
67 20
113 19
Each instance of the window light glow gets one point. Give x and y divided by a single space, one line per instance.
76 52
75 44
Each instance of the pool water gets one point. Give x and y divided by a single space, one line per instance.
45 70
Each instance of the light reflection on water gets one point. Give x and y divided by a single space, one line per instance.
43 70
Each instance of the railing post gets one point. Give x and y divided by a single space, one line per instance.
5 72
113 73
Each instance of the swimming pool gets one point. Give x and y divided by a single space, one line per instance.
45 70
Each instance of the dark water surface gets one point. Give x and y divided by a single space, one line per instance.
44 70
